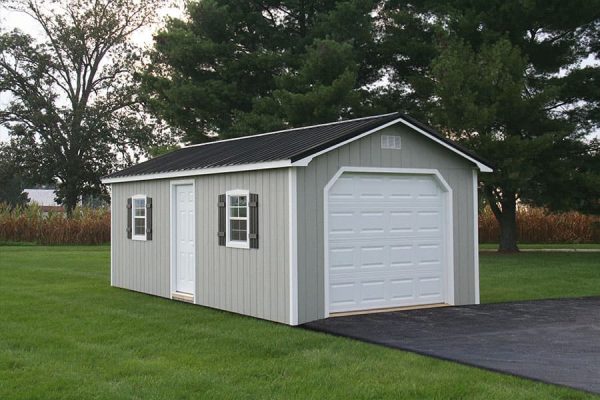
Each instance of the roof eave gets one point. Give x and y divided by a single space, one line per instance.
198 171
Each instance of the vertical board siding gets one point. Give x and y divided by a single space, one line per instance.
417 152
138 265
247 281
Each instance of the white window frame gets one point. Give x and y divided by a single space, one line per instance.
239 244
133 217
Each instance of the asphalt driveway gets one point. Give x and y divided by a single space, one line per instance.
555 341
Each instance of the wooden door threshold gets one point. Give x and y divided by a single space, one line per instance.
390 309
185 297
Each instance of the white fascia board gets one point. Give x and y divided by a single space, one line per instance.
201 171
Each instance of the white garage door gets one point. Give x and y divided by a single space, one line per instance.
386 239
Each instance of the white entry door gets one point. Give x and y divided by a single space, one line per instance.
386 241
185 264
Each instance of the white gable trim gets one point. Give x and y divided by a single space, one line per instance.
482 167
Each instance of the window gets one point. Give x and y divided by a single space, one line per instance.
139 217
237 219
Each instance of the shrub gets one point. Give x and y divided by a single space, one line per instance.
537 225
29 224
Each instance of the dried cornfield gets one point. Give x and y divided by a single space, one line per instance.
29 224
89 226
536 225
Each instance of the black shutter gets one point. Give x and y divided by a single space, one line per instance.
148 218
129 217
253 234
222 220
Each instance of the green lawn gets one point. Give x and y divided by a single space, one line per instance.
527 276
65 334
527 246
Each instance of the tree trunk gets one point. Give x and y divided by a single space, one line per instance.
508 225
505 211
70 199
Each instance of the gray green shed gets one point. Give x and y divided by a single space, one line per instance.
360 215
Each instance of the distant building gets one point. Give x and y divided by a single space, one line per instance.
45 198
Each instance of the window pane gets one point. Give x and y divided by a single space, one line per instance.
140 226
242 201
242 212
233 212
233 201
139 206
237 230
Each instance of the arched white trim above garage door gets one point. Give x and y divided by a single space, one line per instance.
448 222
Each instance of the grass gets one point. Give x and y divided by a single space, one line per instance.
66 334
529 276
494 246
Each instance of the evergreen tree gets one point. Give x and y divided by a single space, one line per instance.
240 67
510 82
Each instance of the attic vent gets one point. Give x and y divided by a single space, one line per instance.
390 142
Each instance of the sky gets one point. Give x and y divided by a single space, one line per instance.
10 20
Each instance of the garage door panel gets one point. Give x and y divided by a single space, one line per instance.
372 291
372 257
378 293
428 254
341 259
429 287
346 257
342 296
386 241
402 289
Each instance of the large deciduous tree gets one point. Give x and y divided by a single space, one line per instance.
73 112
510 81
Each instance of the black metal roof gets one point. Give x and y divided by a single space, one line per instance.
291 144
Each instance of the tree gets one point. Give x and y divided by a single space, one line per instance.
241 67
73 112
12 182
509 82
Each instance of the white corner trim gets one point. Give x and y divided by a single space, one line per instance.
112 242
200 171
172 234
238 244
449 256
293 235
133 235
476 235
482 167
306 160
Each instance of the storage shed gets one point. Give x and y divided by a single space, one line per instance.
292 226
